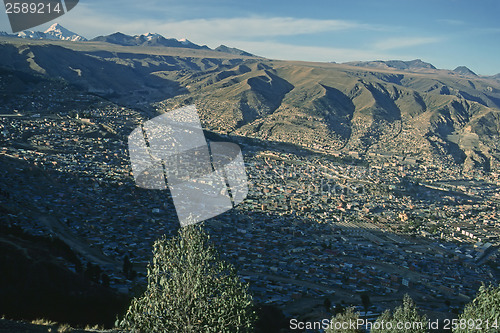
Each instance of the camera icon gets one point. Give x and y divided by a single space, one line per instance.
204 179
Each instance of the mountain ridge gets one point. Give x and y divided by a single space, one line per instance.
148 39
416 64
463 70
232 50
58 32
54 32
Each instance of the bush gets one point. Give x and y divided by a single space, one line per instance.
483 313
190 290
405 318
344 322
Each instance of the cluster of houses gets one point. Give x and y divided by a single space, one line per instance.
310 227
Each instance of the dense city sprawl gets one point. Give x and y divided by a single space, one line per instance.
313 226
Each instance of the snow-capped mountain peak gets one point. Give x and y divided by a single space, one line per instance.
185 41
55 27
150 35
57 31
30 34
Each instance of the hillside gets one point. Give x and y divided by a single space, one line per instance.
55 288
43 276
396 107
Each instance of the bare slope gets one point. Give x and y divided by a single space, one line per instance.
334 107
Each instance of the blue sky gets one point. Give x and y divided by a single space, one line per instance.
446 33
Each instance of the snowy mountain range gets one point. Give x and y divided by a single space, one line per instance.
148 39
55 32
58 32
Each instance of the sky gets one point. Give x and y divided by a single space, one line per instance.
446 33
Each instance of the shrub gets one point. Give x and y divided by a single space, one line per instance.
483 313
190 290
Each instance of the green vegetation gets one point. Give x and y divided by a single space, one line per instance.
405 318
483 313
190 290
341 322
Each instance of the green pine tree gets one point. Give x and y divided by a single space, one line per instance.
190 290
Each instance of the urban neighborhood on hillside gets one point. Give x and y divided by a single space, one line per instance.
312 226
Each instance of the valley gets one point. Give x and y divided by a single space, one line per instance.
361 179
